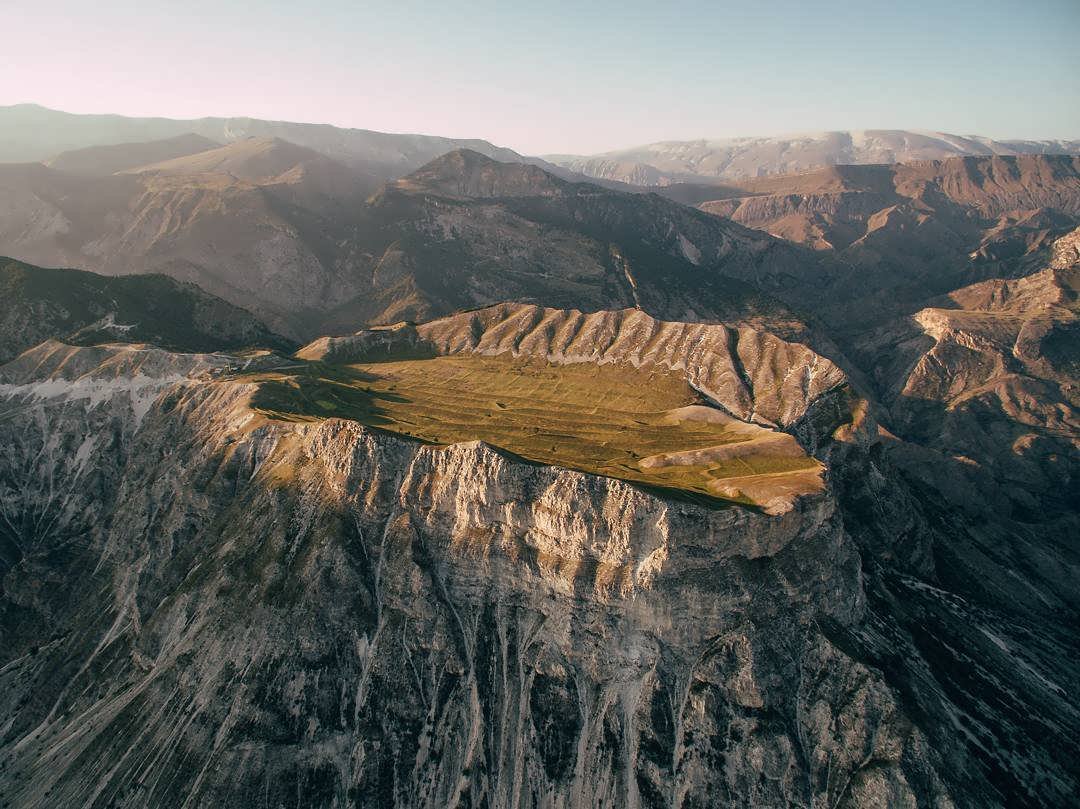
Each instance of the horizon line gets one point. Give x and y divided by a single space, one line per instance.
543 154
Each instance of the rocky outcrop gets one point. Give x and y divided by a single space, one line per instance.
1066 251
371 622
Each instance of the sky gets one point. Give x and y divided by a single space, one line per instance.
560 77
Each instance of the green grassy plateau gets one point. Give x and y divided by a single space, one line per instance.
602 419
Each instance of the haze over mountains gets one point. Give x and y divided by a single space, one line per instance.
911 231
29 133
116 157
290 233
741 479
670 162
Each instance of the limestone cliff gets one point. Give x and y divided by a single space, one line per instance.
205 607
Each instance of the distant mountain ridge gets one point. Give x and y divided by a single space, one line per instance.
31 133
903 233
808 206
667 162
914 230
99 161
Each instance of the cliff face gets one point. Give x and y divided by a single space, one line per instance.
202 606
253 608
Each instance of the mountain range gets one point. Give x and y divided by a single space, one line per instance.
292 235
32 133
345 469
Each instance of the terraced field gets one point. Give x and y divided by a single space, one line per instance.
648 427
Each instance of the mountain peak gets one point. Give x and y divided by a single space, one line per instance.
466 173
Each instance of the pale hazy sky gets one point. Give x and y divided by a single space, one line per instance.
552 76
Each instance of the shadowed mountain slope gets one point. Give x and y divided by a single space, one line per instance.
988 376
83 308
467 231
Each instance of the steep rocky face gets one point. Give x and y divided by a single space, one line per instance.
664 163
255 609
37 304
469 635
980 391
